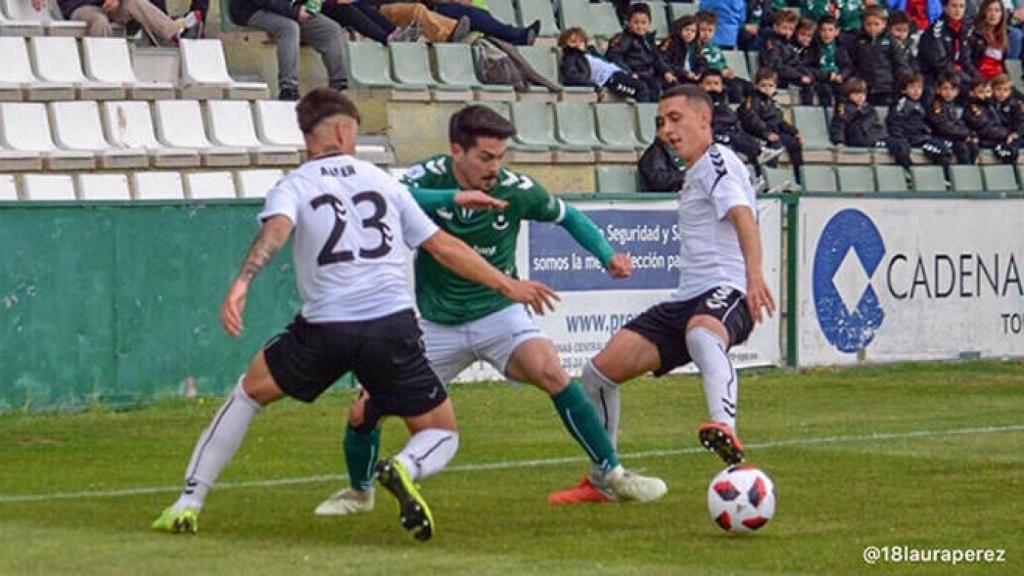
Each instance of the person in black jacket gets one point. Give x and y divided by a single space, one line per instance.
725 124
288 24
907 122
761 116
944 48
583 66
906 43
856 123
828 62
680 49
634 51
1008 102
981 117
876 57
947 124
661 170
778 54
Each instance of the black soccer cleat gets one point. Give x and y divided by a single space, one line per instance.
721 440
412 508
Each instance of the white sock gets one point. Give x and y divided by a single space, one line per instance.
721 385
216 447
428 452
607 400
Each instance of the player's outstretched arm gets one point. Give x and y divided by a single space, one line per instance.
268 243
430 200
759 294
585 233
455 255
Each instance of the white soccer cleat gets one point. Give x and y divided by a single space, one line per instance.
345 502
631 486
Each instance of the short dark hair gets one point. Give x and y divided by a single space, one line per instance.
640 8
569 33
899 18
853 86
691 92
874 12
807 23
707 17
477 121
908 79
827 19
320 104
786 17
765 74
948 78
710 72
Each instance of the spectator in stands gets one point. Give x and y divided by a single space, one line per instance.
947 124
370 18
583 66
98 15
982 117
877 59
197 12
680 49
288 24
815 10
906 43
434 27
761 116
779 55
907 122
732 14
923 13
828 62
634 51
989 42
482 21
944 48
1009 103
856 123
850 18
802 40
661 169
712 57
725 124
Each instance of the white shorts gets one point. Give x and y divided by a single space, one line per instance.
493 339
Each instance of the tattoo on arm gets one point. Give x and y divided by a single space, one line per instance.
266 245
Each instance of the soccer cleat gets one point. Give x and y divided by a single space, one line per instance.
632 486
584 492
721 440
345 502
184 521
412 508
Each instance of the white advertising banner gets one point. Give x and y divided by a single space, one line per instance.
909 279
594 306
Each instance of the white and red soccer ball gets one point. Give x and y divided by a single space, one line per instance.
741 499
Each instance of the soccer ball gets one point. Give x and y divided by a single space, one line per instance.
741 499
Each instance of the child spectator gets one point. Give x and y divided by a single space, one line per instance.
778 54
856 123
828 62
907 122
725 124
850 15
815 10
876 58
944 48
1008 103
947 124
660 168
680 49
713 58
804 37
761 116
634 51
583 66
981 117
906 44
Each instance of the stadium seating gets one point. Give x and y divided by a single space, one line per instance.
659 18
410 66
204 74
928 178
679 9
24 127
616 179
231 125
818 178
737 62
502 10
8 188
1000 178
780 180
48 187
891 179
535 123
453 64
129 124
530 10
646 118
179 124
157 186
55 59
856 179
108 60
209 186
103 187
576 127
966 178
77 126
810 121
256 183
616 126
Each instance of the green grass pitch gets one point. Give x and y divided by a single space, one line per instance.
928 456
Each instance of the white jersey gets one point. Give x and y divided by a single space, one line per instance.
349 218
710 254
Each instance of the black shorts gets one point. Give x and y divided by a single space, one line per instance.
386 354
665 324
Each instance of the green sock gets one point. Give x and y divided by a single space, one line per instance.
581 420
361 450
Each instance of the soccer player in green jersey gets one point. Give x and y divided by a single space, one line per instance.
464 321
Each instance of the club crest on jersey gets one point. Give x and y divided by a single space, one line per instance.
500 221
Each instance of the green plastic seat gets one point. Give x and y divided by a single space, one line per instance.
818 178
966 179
616 179
531 10
928 178
575 125
1000 178
616 126
647 121
368 65
856 179
891 179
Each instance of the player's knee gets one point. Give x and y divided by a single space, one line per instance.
552 378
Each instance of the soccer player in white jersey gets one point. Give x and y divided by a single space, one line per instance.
349 218
722 287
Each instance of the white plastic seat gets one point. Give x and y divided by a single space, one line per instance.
18 160
49 19
107 60
277 124
8 189
10 26
256 183
129 124
179 124
56 60
209 186
229 123
76 126
47 187
204 74
25 127
18 81
103 187
157 186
